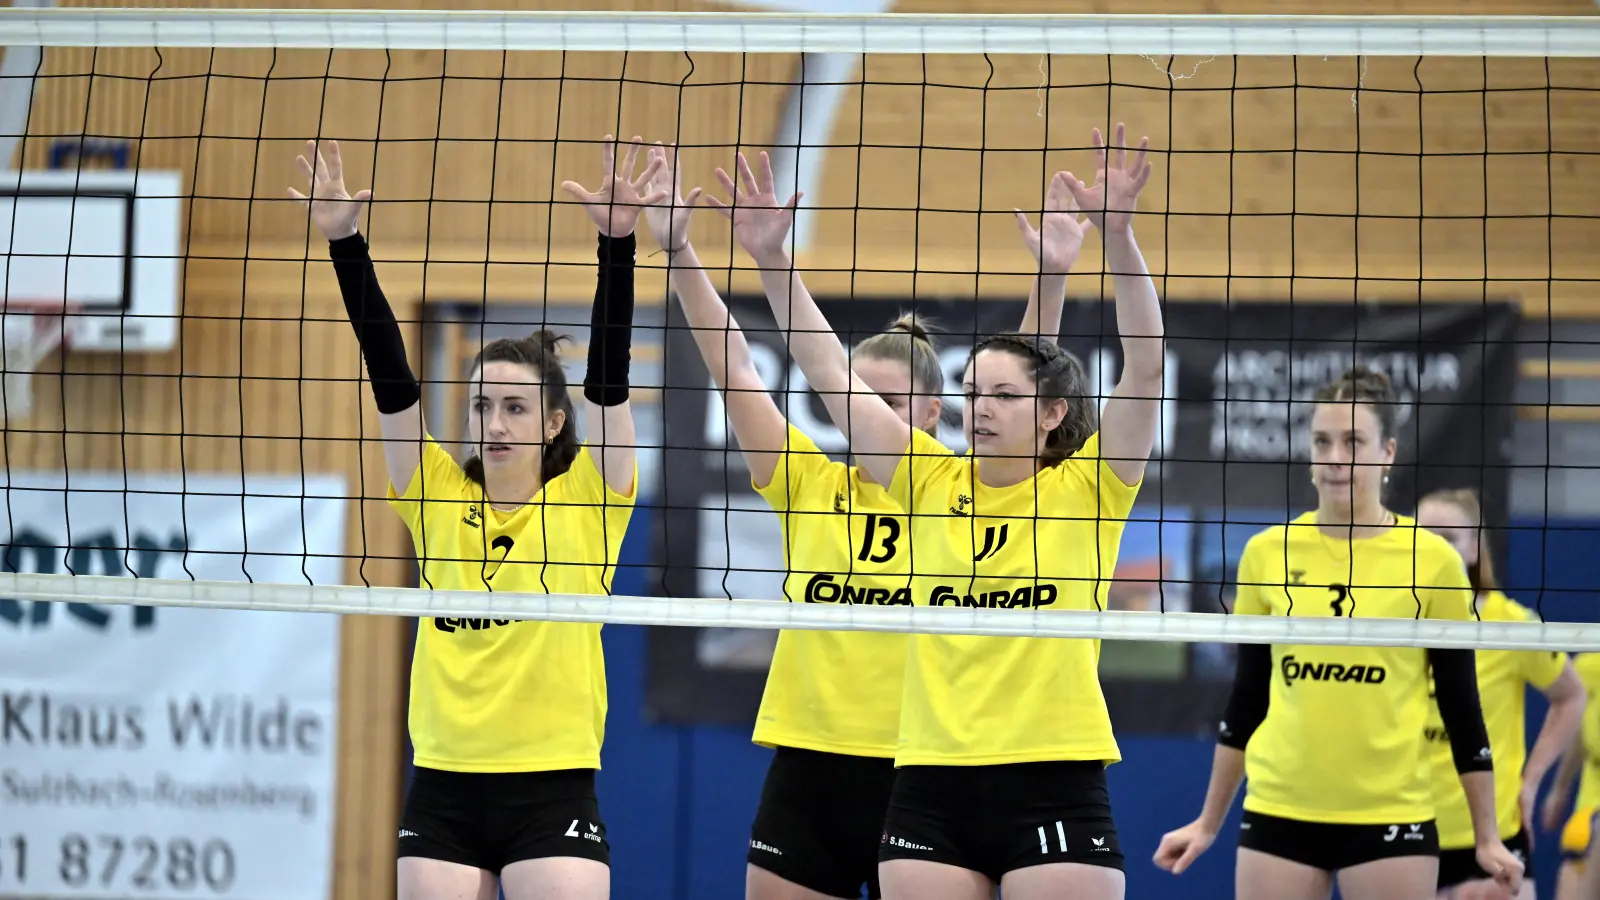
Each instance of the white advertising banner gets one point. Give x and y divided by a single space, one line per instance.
168 753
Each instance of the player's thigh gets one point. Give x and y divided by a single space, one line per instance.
760 884
1076 880
1568 880
1262 876
1396 878
417 878
557 878
1487 889
915 879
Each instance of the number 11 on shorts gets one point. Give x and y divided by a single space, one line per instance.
1061 836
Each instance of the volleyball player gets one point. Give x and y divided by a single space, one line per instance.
831 709
1503 675
506 716
1332 737
1003 741
1580 763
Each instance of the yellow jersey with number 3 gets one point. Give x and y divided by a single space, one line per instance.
845 540
497 695
1047 543
1503 679
1343 739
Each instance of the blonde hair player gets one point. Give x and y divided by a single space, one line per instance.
1332 737
1579 763
1003 741
1503 677
831 709
507 717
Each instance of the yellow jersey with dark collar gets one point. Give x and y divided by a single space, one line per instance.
497 695
845 540
1048 543
1343 741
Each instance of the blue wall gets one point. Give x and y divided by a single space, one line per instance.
678 800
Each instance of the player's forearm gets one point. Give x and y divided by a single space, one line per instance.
1571 766
1561 725
1042 317
720 340
811 340
1227 773
1479 788
1138 311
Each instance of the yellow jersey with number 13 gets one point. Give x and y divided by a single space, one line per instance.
1047 543
1343 739
496 695
845 540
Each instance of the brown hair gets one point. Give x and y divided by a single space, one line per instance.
1057 375
1369 387
907 340
1466 500
541 352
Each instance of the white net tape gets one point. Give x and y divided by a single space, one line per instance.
707 613
1513 36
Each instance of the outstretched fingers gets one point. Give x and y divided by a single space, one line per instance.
608 159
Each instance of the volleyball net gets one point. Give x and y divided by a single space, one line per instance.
1419 195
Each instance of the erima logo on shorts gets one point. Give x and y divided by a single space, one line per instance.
1024 597
1293 671
765 848
823 589
593 834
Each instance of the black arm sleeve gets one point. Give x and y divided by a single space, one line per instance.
1252 694
611 324
1455 686
394 387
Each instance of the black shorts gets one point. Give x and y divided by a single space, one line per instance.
1332 847
1461 866
491 820
821 820
997 819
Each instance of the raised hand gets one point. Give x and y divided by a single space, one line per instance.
1109 204
615 207
759 223
1059 237
669 217
333 210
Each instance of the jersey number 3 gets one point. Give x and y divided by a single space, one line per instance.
890 527
1340 595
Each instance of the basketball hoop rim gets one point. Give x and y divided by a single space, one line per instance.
44 311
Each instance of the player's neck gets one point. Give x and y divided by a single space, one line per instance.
509 494
1005 471
1355 523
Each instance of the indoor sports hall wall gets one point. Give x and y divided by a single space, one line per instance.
1269 184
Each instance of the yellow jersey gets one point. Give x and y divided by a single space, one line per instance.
1503 677
1048 543
1342 742
1588 668
497 695
844 541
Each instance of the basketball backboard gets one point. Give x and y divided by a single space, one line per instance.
106 241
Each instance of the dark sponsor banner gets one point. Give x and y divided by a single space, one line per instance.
1230 459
